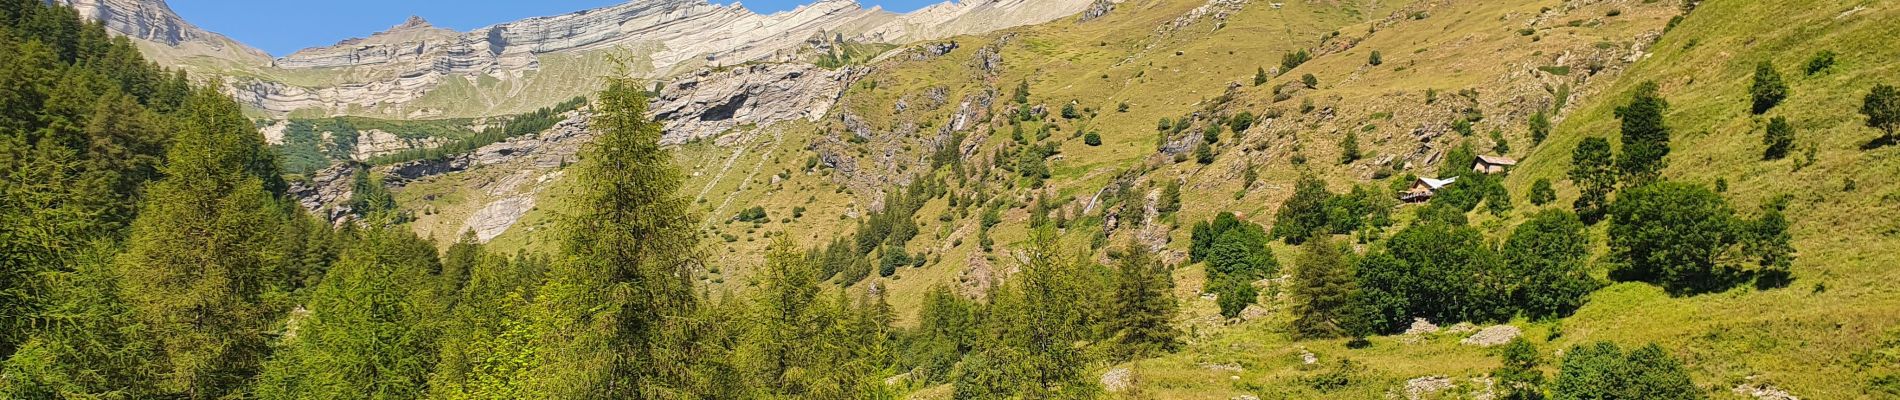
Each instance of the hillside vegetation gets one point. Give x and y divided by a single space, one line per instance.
1176 199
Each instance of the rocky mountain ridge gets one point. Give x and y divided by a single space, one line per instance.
393 73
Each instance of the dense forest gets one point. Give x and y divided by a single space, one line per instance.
148 250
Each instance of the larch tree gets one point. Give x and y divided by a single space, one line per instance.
617 306
196 261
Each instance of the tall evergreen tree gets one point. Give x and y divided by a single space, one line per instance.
617 305
370 328
786 321
1322 287
1142 321
201 248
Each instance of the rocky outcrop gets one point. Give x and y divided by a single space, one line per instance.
498 216
376 142
154 21
325 191
553 148
388 71
710 102
1097 9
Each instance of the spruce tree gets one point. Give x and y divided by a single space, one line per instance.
617 303
1142 320
1322 286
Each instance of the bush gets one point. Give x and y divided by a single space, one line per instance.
1521 376
1240 123
1349 148
1293 60
1310 81
1549 256
1685 238
1778 139
1375 59
1768 90
1542 193
1092 139
1603 371
1260 77
1882 108
1821 61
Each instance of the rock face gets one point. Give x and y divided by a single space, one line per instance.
154 21
390 69
550 149
708 103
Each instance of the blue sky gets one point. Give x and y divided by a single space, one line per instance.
284 26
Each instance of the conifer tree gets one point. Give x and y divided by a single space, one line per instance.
1322 287
198 254
786 320
370 328
1142 320
616 305
88 354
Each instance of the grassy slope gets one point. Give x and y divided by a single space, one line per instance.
1795 338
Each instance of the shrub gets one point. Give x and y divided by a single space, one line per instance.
1092 139
1375 60
1542 193
1349 148
1768 90
1540 127
1882 108
1293 60
1241 122
1260 77
1603 371
1821 61
1778 139
1310 81
1521 376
